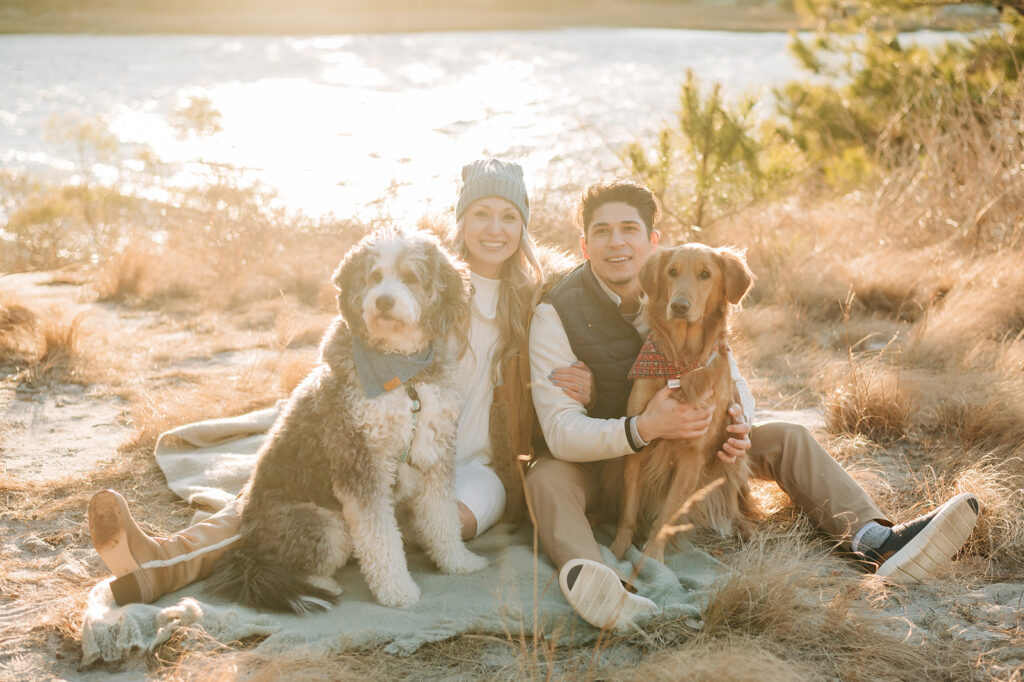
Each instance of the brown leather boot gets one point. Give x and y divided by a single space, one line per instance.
146 567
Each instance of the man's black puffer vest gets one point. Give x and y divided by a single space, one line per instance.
599 337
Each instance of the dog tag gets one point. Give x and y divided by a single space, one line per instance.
674 383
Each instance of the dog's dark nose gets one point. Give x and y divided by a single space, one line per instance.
680 307
385 302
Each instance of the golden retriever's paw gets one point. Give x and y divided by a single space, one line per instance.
464 562
657 553
400 594
619 546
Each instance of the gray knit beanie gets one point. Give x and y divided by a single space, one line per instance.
493 178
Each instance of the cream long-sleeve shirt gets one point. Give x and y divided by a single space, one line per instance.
570 433
476 484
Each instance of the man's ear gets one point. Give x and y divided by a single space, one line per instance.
583 247
737 275
655 239
651 272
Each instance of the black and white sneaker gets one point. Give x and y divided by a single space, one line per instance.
916 549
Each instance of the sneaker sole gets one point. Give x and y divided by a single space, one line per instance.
935 545
107 531
598 596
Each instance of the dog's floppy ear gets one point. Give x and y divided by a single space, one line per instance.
737 275
452 283
651 272
349 279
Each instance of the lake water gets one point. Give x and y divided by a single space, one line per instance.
333 122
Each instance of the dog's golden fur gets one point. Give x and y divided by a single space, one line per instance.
690 290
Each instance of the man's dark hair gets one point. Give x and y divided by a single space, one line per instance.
625 191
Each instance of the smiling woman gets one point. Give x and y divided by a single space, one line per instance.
492 231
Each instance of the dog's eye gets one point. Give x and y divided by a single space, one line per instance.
375 277
704 274
409 279
673 272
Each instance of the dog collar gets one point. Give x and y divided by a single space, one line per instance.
382 372
651 362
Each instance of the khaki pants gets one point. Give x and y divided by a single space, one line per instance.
562 493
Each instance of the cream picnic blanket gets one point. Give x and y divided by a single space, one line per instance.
207 464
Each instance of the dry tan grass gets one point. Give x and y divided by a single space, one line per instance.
47 345
196 270
999 485
18 332
799 602
962 181
61 348
736 658
872 399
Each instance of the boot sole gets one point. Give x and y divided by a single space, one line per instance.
936 544
107 530
598 596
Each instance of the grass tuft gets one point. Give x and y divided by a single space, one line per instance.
873 400
46 346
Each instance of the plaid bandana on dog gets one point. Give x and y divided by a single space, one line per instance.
651 362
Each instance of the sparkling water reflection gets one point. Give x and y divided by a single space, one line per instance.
332 122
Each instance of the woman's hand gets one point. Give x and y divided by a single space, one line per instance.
739 443
576 381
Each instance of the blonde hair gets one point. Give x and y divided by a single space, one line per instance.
521 277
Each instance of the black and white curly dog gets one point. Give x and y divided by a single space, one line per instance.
339 466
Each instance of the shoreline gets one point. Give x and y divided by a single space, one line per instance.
309 21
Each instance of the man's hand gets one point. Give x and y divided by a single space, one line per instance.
739 444
666 417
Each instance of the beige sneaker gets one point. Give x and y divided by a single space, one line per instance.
916 549
599 597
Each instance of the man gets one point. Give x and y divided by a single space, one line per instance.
594 316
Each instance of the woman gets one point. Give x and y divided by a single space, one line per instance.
495 425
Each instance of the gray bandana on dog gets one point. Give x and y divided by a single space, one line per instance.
382 372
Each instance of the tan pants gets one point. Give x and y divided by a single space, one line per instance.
562 493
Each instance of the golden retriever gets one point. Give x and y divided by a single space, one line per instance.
690 290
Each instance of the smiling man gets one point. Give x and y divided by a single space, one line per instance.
594 316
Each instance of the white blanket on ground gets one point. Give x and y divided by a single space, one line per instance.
208 463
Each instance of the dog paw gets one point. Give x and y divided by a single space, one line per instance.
464 562
399 595
619 546
656 553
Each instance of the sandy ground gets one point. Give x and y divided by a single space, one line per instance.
67 430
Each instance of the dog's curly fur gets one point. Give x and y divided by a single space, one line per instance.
690 290
329 482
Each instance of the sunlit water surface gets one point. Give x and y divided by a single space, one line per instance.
332 123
